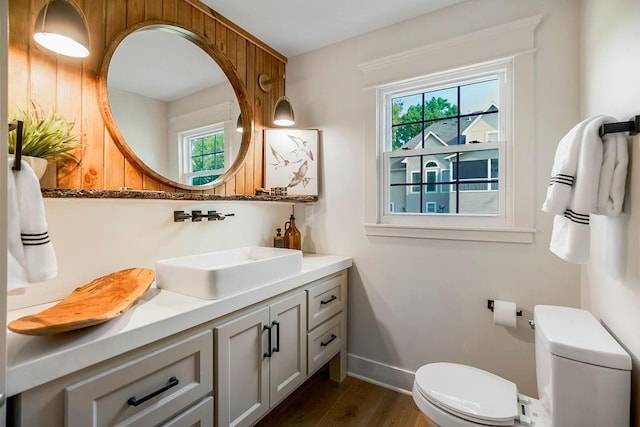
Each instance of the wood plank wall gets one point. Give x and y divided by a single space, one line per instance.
70 86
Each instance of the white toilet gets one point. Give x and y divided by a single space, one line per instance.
583 377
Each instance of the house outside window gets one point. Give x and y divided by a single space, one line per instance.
203 154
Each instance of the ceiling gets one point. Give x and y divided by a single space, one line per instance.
293 27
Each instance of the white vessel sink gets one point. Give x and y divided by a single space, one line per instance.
219 274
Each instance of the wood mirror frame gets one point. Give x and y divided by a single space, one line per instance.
229 70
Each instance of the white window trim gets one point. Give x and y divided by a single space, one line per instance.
431 204
514 40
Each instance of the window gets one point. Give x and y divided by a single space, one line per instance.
203 155
455 126
505 53
415 178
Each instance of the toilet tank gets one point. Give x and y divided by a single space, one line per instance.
583 374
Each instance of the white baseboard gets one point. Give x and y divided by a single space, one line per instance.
391 377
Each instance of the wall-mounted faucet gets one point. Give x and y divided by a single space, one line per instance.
198 216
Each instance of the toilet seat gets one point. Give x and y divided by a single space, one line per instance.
469 393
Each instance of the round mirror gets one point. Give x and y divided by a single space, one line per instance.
171 103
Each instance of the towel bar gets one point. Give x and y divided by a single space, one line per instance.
632 126
17 151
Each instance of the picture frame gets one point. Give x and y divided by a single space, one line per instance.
291 161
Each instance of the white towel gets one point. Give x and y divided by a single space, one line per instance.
28 238
585 179
613 174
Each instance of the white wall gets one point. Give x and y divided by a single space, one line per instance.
96 237
142 122
610 64
414 301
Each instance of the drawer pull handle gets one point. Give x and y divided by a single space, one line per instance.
333 298
324 344
267 353
173 381
276 349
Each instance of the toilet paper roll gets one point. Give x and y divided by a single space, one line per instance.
504 313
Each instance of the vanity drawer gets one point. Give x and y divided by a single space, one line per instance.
146 390
200 414
326 299
324 342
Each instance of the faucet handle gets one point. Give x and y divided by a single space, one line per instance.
180 216
196 216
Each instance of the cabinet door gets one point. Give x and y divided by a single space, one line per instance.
288 365
242 376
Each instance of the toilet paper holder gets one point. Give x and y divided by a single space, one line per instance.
490 307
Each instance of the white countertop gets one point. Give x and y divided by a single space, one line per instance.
33 360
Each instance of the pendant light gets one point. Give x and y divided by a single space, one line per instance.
60 27
239 123
283 111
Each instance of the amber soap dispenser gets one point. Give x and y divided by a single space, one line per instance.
292 237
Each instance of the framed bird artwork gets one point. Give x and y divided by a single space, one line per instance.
291 160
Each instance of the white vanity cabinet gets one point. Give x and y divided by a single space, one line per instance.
176 360
327 325
261 358
154 387
267 353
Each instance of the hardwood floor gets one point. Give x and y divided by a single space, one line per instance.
321 403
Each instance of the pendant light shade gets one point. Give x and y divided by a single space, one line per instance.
61 28
283 113
239 123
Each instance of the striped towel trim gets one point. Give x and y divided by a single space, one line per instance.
576 217
35 239
562 179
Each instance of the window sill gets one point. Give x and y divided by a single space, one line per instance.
501 235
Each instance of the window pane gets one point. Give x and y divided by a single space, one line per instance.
207 144
406 137
442 132
196 164
402 199
481 128
202 180
219 143
479 97
437 198
440 182
441 103
478 202
219 161
196 146
406 109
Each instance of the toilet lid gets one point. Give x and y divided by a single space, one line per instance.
469 392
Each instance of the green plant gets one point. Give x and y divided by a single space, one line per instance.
45 134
